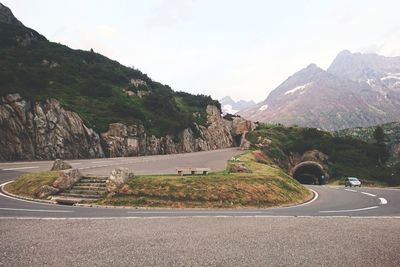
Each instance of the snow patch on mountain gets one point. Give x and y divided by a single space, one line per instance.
228 109
298 88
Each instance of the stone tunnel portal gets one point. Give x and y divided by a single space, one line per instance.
309 172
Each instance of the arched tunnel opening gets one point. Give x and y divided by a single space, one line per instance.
309 172
237 139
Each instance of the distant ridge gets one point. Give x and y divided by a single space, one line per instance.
357 90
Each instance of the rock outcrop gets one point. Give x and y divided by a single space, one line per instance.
122 140
43 130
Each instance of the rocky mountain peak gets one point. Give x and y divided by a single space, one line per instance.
6 16
231 106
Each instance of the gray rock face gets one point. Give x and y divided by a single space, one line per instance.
67 179
122 140
6 16
118 179
44 130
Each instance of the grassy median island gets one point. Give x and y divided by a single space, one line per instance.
265 186
28 185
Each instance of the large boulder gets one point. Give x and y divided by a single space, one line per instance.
60 165
239 167
118 179
46 191
66 179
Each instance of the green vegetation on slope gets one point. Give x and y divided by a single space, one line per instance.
92 85
28 185
347 156
391 137
266 186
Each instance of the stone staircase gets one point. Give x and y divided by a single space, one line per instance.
87 190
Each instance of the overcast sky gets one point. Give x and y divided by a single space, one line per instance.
242 48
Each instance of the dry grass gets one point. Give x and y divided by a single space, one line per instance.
266 186
28 185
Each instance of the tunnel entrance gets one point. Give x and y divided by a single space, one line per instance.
309 172
237 139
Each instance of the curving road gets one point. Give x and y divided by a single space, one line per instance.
330 201
353 227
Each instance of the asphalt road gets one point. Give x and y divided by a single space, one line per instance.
352 227
231 241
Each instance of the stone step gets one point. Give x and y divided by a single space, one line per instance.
89 187
91 184
72 200
95 177
66 194
86 192
92 180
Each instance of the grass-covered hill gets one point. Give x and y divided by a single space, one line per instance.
92 85
347 156
390 137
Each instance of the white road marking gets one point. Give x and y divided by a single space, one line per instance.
368 194
351 190
32 210
295 206
383 201
75 163
197 212
338 211
103 161
191 217
20 168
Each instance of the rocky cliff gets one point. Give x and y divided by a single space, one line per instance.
43 130
123 140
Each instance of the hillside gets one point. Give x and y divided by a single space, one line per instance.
338 157
60 102
391 139
357 90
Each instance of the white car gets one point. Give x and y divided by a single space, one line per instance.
352 181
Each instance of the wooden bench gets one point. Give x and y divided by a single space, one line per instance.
193 171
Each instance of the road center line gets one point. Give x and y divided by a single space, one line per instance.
368 194
338 211
32 210
351 190
20 168
383 201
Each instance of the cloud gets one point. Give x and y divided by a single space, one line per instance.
170 12
389 46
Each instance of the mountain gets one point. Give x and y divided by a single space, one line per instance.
6 16
56 102
357 90
230 106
